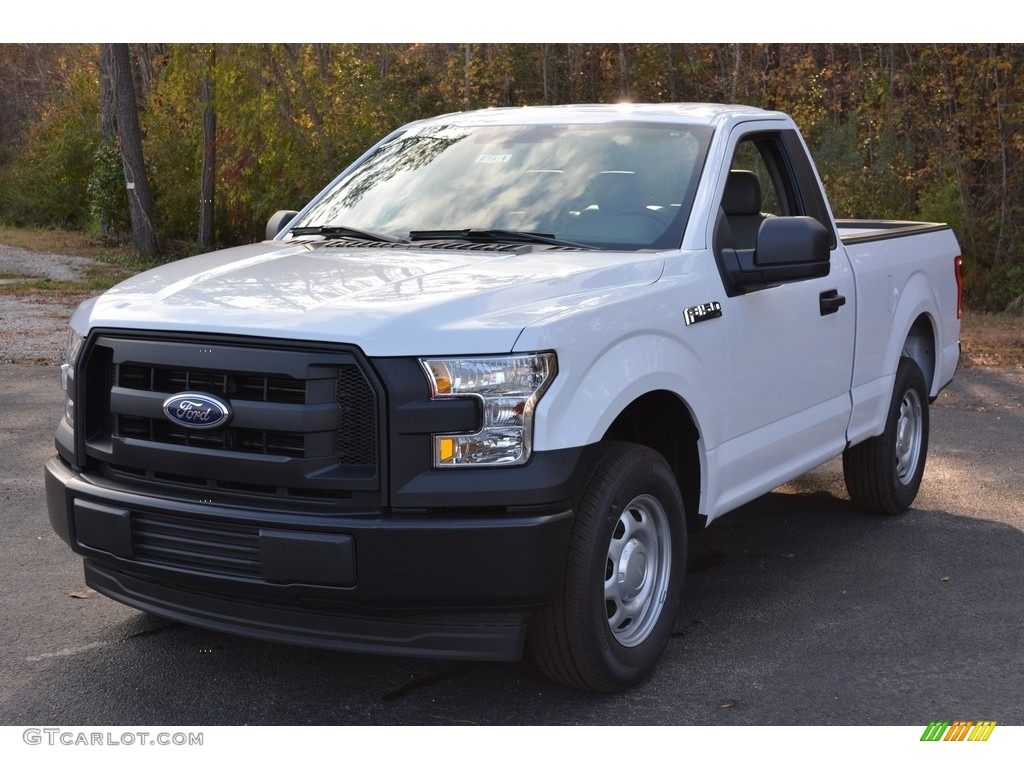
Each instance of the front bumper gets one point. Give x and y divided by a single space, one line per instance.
454 583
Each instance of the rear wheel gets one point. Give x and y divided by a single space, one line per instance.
883 474
624 575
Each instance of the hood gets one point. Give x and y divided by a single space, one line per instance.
388 301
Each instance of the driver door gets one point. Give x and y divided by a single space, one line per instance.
790 345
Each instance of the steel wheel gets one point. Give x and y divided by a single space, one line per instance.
883 473
909 436
637 571
623 574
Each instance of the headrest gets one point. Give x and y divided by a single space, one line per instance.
742 194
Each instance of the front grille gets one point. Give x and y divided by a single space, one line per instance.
261 388
264 441
306 418
355 438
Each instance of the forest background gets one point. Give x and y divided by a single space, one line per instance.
230 133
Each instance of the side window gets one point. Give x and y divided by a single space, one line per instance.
770 176
748 158
760 185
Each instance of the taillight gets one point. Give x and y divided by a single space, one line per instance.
958 266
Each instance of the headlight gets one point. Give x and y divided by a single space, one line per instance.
67 374
508 388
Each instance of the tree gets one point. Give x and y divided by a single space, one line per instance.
129 135
922 131
208 173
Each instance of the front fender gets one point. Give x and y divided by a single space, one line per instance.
589 394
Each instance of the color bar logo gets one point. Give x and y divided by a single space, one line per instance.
959 730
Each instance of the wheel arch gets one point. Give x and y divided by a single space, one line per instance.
645 388
915 331
919 346
662 421
883 474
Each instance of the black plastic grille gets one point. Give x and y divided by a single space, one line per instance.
459 245
305 418
355 440
211 547
259 388
271 443
447 245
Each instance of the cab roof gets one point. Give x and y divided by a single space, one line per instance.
713 115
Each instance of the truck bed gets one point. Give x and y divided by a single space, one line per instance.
864 230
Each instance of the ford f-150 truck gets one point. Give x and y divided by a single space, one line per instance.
472 397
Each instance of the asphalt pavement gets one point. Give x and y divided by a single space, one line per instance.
798 609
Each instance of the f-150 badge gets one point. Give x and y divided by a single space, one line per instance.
702 312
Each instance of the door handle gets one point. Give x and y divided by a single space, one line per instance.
829 302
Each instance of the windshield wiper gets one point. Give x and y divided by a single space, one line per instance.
493 236
359 234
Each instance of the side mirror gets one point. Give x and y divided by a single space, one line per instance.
791 241
789 248
278 222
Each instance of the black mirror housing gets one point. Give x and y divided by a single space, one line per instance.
789 248
278 222
791 240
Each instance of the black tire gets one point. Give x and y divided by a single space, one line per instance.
623 577
883 474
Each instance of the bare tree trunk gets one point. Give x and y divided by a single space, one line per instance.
544 70
736 58
140 203
145 58
1004 187
108 119
108 130
624 91
671 69
208 174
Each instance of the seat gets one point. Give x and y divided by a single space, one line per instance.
617 191
742 206
617 211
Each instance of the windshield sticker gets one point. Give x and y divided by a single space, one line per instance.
494 159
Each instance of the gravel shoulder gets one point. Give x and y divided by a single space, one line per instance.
33 327
22 262
32 330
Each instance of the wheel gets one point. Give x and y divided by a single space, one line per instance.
883 474
623 577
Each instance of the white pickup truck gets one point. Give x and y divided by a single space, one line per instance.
471 397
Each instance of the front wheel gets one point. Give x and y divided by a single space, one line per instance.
624 575
883 474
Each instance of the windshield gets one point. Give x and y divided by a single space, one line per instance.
620 185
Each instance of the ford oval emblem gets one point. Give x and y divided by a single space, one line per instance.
197 410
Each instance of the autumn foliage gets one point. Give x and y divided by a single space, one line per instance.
902 131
